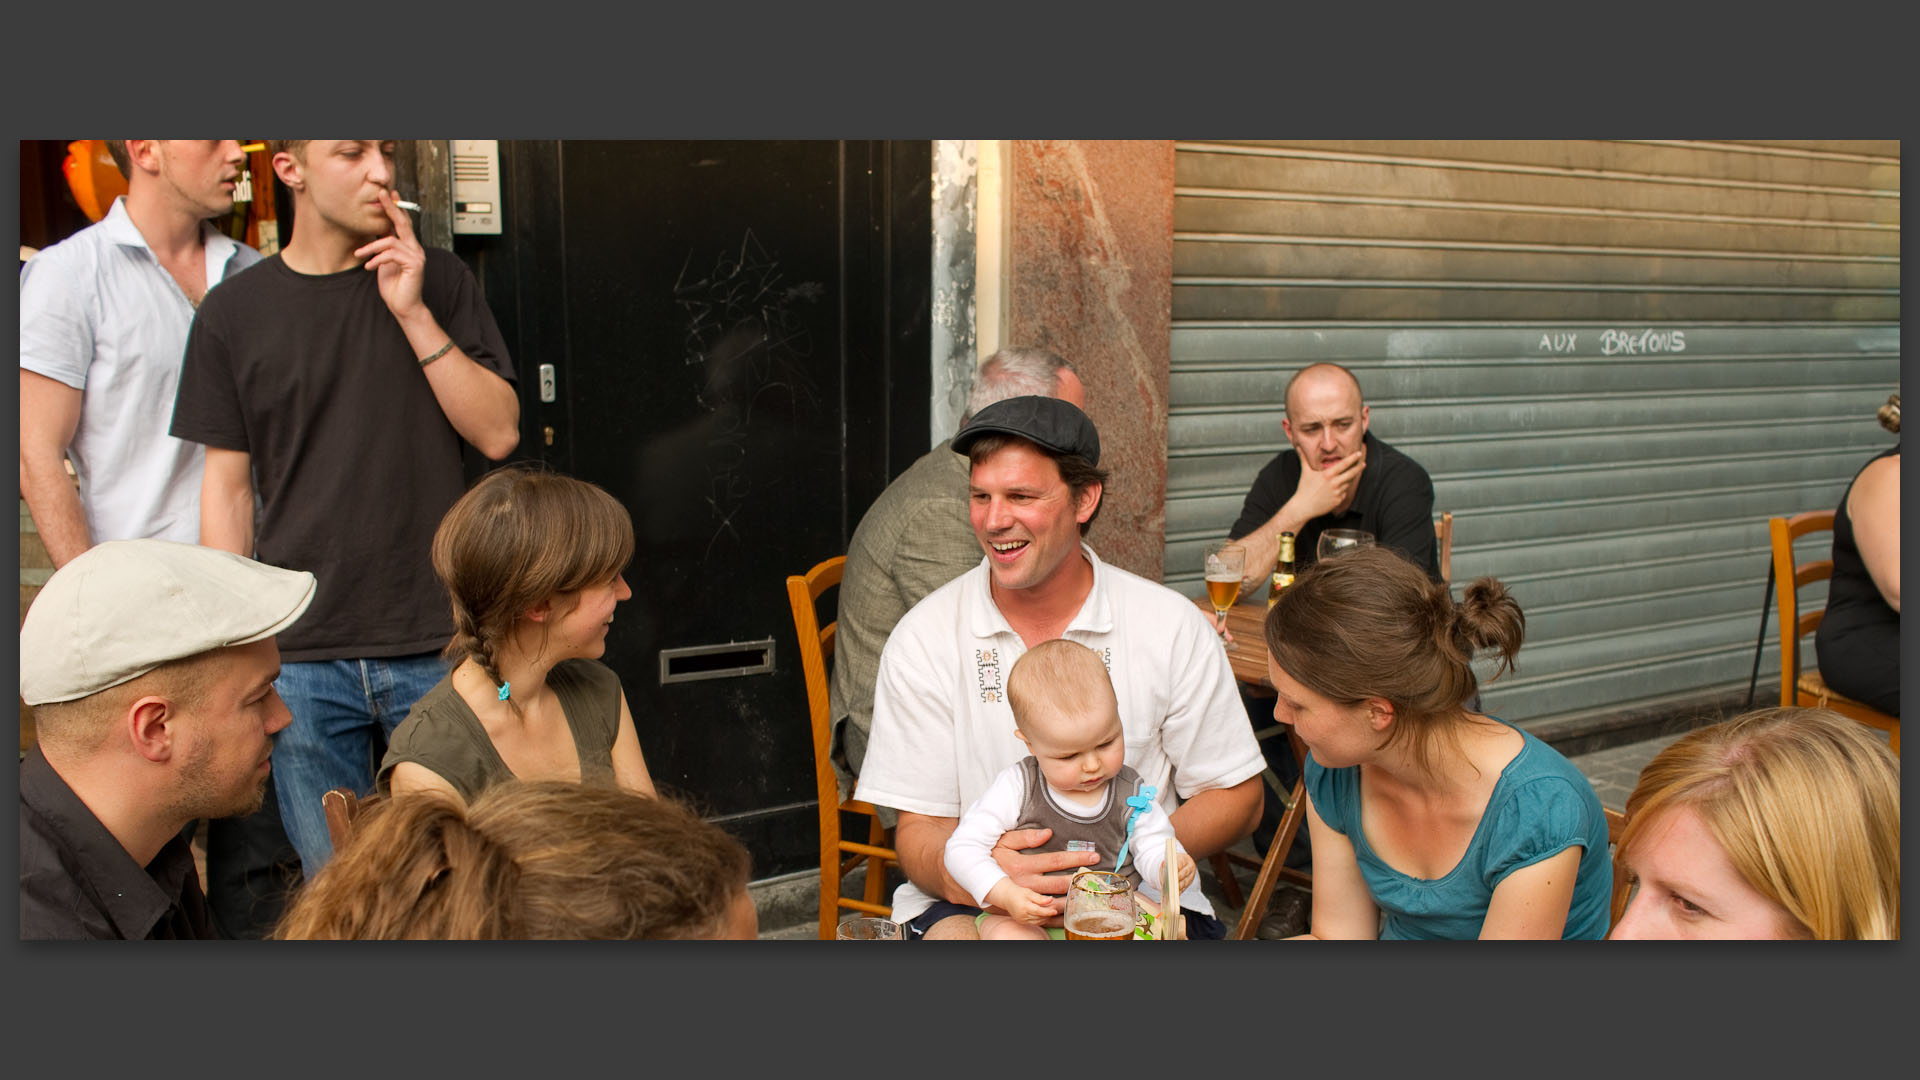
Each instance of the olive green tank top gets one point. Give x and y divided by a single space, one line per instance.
442 734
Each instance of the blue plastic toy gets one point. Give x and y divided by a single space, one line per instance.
1140 803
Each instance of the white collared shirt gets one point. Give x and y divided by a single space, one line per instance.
100 314
942 728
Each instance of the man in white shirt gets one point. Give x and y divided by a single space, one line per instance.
942 728
104 316
914 539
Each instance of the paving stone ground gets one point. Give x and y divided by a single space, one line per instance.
1615 771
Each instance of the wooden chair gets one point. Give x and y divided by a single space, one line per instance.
1806 687
1274 866
1223 864
1616 826
1443 533
838 857
341 806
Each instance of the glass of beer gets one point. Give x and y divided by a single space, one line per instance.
867 928
1226 565
1099 907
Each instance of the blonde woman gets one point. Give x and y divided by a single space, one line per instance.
1781 823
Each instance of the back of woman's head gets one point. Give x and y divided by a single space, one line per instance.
528 860
1806 804
520 536
1367 623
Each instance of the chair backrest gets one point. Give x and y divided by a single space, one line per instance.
341 806
1788 578
838 856
816 649
1443 535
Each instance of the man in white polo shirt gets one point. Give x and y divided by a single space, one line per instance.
942 727
104 316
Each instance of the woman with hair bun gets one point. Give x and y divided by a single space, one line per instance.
1428 821
542 861
532 562
1779 824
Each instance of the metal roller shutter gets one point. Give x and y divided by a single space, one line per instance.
1615 359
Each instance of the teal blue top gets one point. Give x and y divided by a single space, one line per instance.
1541 806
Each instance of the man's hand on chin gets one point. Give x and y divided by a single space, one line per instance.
1329 490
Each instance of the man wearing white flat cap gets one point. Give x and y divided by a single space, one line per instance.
150 667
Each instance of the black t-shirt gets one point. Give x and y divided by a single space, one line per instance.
78 883
353 459
1394 502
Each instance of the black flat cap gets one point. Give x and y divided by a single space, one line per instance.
1054 424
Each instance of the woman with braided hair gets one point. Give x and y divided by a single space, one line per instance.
532 562
1428 820
529 860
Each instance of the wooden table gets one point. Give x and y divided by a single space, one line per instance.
1247 622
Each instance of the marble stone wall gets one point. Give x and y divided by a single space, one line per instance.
1090 265
954 348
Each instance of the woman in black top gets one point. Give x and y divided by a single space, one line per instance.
1859 638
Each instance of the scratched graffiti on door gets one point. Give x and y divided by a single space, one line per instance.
746 340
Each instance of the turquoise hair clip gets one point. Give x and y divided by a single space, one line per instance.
1140 803
503 690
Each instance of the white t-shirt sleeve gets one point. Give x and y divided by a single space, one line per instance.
1149 847
911 759
1206 734
56 332
969 854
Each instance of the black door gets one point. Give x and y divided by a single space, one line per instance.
739 337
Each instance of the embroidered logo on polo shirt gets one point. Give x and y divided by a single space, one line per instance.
986 664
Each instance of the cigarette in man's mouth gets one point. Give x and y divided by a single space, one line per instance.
405 205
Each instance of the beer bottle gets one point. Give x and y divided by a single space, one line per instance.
1282 569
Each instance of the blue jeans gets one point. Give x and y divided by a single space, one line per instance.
338 707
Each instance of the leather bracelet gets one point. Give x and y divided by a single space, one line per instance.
437 353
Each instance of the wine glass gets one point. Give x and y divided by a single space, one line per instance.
1226 565
1335 541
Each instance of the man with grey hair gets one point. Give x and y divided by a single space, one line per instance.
915 538
150 666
